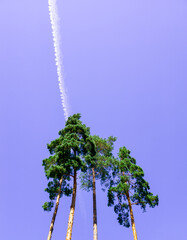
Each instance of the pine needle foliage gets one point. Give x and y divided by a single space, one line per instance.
101 162
128 183
67 152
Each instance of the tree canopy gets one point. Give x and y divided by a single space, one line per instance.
128 181
76 150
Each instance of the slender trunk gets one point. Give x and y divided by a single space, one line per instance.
94 207
72 208
55 211
132 217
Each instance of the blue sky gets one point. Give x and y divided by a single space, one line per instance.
125 72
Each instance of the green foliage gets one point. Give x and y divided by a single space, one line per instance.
75 150
48 206
68 153
101 162
128 179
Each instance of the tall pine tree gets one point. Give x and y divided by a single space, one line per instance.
60 177
127 188
68 157
98 168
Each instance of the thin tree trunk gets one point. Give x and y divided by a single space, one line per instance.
94 207
132 217
55 211
72 209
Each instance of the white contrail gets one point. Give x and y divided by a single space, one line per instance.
53 12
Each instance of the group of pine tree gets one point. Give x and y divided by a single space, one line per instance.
77 153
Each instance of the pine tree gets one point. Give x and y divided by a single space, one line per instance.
77 143
59 184
98 168
68 151
128 188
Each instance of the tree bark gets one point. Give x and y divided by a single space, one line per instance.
72 208
94 208
132 217
55 211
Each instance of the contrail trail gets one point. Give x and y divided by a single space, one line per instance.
54 18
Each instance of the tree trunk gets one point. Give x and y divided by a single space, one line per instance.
55 211
94 208
72 208
132 217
